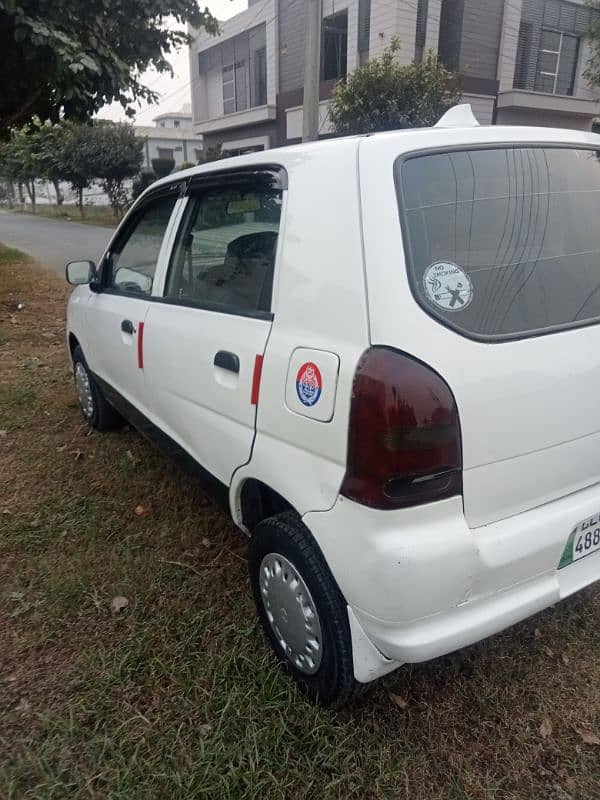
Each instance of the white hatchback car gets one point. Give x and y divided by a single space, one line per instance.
383 352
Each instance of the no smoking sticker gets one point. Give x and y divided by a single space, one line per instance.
448 286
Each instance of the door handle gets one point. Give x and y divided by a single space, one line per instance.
127 326
227 360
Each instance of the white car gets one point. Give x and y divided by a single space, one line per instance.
383 352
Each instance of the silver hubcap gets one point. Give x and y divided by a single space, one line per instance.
84 390
291 612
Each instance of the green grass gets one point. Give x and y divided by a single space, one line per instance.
10 255
176 696
93 215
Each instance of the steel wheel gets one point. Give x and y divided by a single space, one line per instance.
291 612
84 390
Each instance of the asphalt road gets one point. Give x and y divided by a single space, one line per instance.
53 242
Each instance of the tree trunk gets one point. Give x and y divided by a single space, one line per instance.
59 197
20 192
30 186
80 201
10 191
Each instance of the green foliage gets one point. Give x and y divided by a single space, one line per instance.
141 183
115 154
384 95
21 159
212 153
77 153
162 166
71 57
105 151
185 165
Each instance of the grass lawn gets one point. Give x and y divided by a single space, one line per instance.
94 215
176 696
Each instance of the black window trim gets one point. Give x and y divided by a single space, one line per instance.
408 255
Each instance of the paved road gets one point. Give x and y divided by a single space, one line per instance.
53 242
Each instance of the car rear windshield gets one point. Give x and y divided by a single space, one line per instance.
504 242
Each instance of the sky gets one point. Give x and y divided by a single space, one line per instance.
174 91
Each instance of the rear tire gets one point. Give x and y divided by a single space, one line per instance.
95 408
302 610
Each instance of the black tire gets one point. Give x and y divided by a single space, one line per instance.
101 416
333 683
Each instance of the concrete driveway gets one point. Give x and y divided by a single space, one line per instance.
53 242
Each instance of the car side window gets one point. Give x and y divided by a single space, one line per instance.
134 257
224 255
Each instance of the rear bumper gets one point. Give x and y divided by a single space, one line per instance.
421 583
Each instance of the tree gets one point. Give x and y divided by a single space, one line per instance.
21 160
77 157
384 95
69 57
114 153
50 141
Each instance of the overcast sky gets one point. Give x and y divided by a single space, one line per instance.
174 91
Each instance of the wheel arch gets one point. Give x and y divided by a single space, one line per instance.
73 343
253 501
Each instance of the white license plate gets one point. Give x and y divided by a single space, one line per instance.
584 540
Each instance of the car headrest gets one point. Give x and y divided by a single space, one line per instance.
252 245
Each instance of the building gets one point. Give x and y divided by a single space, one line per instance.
521 61
172 136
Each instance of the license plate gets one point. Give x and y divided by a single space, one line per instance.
584 540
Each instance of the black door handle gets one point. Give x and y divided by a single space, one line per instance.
227 360
127 326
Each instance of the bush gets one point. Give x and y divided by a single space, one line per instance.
383 95
141 182
162 166
185 165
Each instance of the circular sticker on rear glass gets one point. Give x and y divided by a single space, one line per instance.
448 286
309 384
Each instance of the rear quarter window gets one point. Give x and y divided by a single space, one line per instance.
504 242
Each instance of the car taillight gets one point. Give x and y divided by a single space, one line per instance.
404 442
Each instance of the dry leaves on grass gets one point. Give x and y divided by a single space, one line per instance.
546 728
118 604
399 701
588 737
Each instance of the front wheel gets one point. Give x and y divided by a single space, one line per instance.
94 406
302 610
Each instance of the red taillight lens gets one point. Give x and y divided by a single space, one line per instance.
404 443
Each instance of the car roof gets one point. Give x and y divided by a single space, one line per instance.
398 141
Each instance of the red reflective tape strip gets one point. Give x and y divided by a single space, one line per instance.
140 344
258 362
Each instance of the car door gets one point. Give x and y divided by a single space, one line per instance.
203 345
116 313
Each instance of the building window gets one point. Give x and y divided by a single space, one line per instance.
235 87
557 62
260 77
549 45
334 52
176 123
162 124
421 30
165 152
451 19
228 90
364 28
